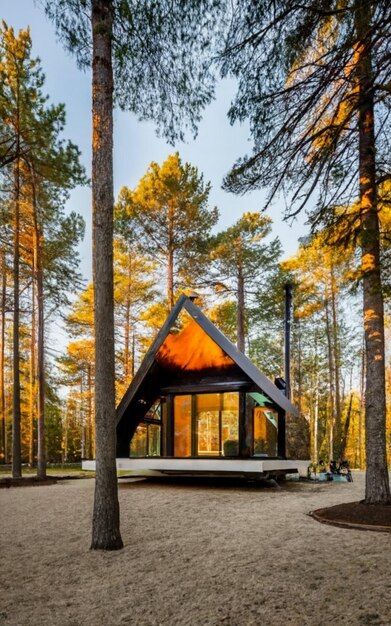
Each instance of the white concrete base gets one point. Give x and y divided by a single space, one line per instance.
158 466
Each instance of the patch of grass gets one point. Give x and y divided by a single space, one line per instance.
52 470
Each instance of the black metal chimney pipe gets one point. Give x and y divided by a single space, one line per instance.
288 289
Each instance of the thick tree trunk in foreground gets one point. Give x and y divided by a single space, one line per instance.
105 525
377 482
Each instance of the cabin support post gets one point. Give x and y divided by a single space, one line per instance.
123 443
169 426
194 433
245 426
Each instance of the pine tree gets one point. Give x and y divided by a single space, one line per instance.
168 214
44 169
241 259
20 105
313 79
140 54
134 291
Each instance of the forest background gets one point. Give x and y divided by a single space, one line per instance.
328 356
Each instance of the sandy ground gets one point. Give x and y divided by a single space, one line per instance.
194 555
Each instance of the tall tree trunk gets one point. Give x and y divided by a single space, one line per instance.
105 524
345 433
2 359
316 402
133 351
170 258
240 315
16 439
32 369
82 420
331 380
38 236
127 332
316 421
89 412
377 488
362 408
299 368
41 374
65 435
336 361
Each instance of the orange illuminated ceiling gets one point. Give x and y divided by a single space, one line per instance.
192 350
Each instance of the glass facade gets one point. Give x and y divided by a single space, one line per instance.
138 444
146 440
206 425
182 425
265 432
230 424
155 412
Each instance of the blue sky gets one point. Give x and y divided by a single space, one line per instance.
214 151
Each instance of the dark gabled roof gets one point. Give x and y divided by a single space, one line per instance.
261 381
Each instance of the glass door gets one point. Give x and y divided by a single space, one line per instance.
208 424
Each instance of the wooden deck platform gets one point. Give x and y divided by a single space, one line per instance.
256 467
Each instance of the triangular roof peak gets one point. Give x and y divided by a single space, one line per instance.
225 348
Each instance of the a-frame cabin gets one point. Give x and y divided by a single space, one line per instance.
198 405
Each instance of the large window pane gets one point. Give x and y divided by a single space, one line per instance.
208 423
265 432
182 426
153 440
230 424
138 444
154 412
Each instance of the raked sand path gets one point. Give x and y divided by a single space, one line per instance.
194 556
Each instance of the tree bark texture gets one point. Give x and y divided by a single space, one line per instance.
170 259
346 427
331 380
377 482
240 315
127 337
32 381
337 369
38 277
16 437
316 403
362 408
89 414
316 421
299 368
41 452
82 420
2 359
133 352
105 525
